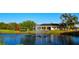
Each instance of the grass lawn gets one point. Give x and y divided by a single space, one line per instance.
16 32
55 32
7 31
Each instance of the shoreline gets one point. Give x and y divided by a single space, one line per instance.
54 32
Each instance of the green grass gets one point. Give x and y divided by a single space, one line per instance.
55 32
7 31
14 32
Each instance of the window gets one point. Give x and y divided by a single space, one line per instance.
49 28
44 28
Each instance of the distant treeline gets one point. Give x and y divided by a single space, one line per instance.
26 25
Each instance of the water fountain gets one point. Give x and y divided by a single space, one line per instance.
38 29
40 35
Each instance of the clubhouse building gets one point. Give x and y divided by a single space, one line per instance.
54 26
48 27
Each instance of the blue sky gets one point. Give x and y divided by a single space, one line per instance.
37 17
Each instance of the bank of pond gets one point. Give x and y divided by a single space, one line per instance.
53 32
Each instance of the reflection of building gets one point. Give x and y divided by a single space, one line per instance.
47 27
43 39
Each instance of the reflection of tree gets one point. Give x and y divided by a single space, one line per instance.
1 41
69 40
49 39
28 40
63 39
43 39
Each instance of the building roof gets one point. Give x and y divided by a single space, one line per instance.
51 24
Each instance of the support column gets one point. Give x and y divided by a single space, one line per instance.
46 27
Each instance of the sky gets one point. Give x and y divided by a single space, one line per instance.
39 18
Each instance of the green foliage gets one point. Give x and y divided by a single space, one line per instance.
3 25
12 26
28 25
69 19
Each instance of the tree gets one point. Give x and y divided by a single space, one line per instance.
3 25
12 26
64 17
28 25
69 19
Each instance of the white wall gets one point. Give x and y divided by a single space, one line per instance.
52 28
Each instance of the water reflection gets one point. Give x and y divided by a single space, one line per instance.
42 39
63 40
1 40
39 39
47 40
28 40
10 39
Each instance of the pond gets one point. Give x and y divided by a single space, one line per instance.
39 39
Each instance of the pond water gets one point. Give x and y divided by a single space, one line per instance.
40 39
